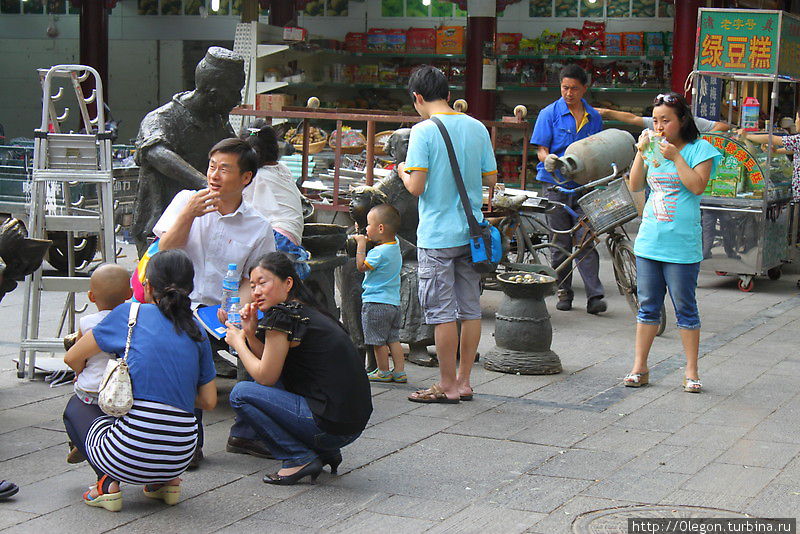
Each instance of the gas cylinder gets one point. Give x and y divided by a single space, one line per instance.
591 158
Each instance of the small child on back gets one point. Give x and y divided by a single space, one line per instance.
380 311
109 286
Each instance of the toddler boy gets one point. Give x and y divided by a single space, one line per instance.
109 286
380 311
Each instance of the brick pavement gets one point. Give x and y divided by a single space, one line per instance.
529 454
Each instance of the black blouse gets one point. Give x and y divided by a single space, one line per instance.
324 368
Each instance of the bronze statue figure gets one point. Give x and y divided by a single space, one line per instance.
174 140
19 254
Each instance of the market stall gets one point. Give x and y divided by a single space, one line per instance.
745 208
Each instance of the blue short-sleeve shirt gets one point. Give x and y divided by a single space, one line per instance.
670 229
555 129
166 366
382 281
442 222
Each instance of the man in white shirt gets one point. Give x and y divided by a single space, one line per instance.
215 227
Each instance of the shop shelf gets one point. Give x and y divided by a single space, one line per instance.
409 55
265 87
539 88
580 56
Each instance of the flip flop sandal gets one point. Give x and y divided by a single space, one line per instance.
433 395
7 489
466 398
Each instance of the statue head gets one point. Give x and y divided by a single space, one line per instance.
219 78
397 144
363 198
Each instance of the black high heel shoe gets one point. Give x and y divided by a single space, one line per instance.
332 460
312 470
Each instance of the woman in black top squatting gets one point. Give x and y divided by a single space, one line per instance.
311 395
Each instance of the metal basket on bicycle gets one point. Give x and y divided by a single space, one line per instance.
609 207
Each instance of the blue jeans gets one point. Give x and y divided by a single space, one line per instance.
653 278
283 421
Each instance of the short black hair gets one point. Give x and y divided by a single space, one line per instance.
574 72
688 131
263 139
429 82
248 159
388 216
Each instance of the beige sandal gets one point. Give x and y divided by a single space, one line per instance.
690 385
636 380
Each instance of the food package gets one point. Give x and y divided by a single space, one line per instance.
549 42
613 44
531 73
387 73
570 43
294 34
507 43
395 41
510 71
633 44
273 101
421 40
652 152
458 72
654 44
529 46
355 42
377 40
593 37
450 40
724 187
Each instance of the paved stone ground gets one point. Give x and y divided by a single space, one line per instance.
529 454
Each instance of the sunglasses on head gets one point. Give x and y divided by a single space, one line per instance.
667 98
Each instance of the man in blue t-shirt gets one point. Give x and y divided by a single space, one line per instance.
449 289
568 119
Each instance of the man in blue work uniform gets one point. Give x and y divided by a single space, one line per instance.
568 119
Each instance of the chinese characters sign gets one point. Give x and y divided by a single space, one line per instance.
744 41
728 147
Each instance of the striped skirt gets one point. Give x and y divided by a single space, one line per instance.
153 443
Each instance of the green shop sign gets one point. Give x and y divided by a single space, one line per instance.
748 41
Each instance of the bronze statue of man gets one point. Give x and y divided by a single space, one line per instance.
174 140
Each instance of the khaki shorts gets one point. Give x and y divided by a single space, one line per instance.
449 289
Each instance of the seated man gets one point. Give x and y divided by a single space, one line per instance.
216 227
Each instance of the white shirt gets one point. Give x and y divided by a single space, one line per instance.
274 194
89 379
215 240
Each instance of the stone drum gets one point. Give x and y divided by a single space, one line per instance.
522 327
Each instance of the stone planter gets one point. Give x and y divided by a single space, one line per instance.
522 331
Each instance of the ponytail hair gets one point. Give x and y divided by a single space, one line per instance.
170 273
264 141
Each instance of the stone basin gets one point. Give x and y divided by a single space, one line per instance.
324 239
541 287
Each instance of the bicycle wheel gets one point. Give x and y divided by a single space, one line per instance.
624 263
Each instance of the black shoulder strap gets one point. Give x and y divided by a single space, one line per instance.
474 229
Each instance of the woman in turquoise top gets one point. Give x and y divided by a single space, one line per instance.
668 247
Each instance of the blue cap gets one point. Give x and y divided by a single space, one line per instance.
231 266
234 299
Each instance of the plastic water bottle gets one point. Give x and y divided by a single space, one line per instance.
234 317
230 286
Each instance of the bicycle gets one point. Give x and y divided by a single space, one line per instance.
526 236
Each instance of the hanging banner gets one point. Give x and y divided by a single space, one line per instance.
709 97
748 42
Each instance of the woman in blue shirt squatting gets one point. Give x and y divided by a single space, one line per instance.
668 247
172 372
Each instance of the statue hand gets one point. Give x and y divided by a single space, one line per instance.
551 162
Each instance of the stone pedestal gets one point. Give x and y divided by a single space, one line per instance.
321 280
523 332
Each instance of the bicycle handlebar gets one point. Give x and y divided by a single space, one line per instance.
580 189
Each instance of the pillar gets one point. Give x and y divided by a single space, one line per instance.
684 41
282 12
481 28
94 43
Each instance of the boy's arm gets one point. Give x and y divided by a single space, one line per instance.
361 253
82 350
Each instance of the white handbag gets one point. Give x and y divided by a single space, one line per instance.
116 390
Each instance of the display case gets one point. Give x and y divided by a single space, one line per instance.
745 209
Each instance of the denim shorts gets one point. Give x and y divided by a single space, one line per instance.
381 323
653 278
449 288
